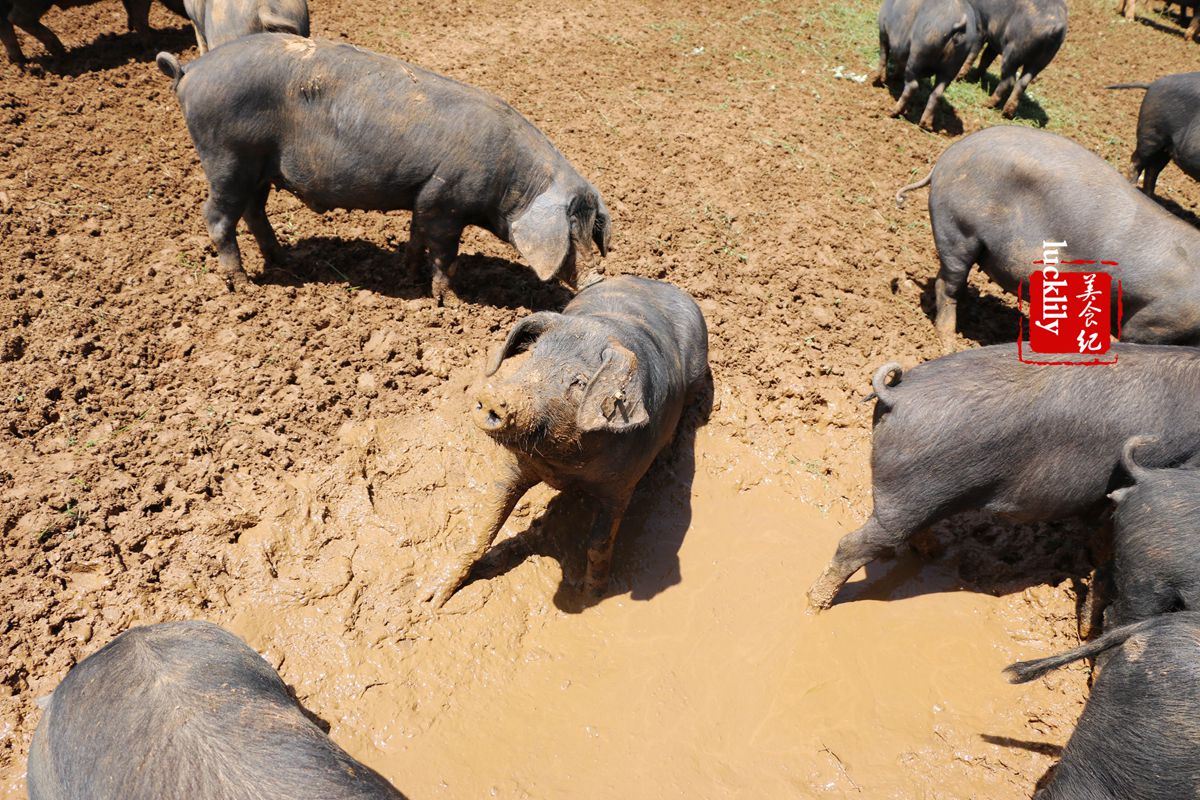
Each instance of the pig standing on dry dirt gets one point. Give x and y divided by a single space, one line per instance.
1168 127
999 195
591 405
341 127
220 21
1156 541
982 430
924 39
27 15
186 710
1026 34
1137 738
1126 7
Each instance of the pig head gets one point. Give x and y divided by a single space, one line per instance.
561 229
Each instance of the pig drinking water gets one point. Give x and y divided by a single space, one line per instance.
220 21
27 15
595 399
341 127
1026 34
186 710
982 430
1168 127
1156 540
1137 738
997 197
924 39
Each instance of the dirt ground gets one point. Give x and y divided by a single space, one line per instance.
295 462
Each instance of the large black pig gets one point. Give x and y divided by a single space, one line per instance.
220 21
186 710
342 127
27 15
1156 540
589 406
982 430
924 39
1137 738
1026 34
1168 127
999 195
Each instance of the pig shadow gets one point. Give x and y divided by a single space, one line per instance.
1027 107
362 264
1183 213
111 50
1180 32
982 318
646 555
945 118
979 552
1042 748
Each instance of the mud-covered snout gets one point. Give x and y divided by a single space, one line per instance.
492 412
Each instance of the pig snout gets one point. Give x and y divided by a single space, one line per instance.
492 413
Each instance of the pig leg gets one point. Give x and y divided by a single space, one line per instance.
600 545
943 80
854 551
976 48
443 237
1194 27
1126 8
1154 166
503 497
985 61
880 76
8 37
958 253
255 216
46 36
910 86
201 44
1010 108
137 15
227 200
1008 76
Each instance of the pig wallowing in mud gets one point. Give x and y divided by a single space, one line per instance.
997 196
1168 127
341 127
594 398
1137 738
186 710
220 21
982 430
924 39
27 15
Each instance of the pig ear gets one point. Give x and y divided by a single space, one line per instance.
521 334
602 228
542 234
614 398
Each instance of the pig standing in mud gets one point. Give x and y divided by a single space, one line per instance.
341 127
1156 541
1168 127
1137 738
597 397
27 15
1026 34
220 21
997 196
982 430
924 39
186 710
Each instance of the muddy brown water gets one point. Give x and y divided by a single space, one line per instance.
293 461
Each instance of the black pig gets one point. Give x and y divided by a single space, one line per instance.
341 127
186 709
1137 738
27 15
982 430
220 21
1168 127
1000 194
1026 34
924 39
1156 541
595 399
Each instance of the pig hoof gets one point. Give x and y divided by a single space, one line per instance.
1010 111
927 124
991 102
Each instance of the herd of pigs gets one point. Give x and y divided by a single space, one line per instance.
586 398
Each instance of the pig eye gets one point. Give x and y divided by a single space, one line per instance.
580 381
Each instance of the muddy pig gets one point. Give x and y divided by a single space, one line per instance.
27 15
1026 34
982 430
598 396
1137 738
1156 541
1168 127
924 39
1000 195
186 709
341 127
220 21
